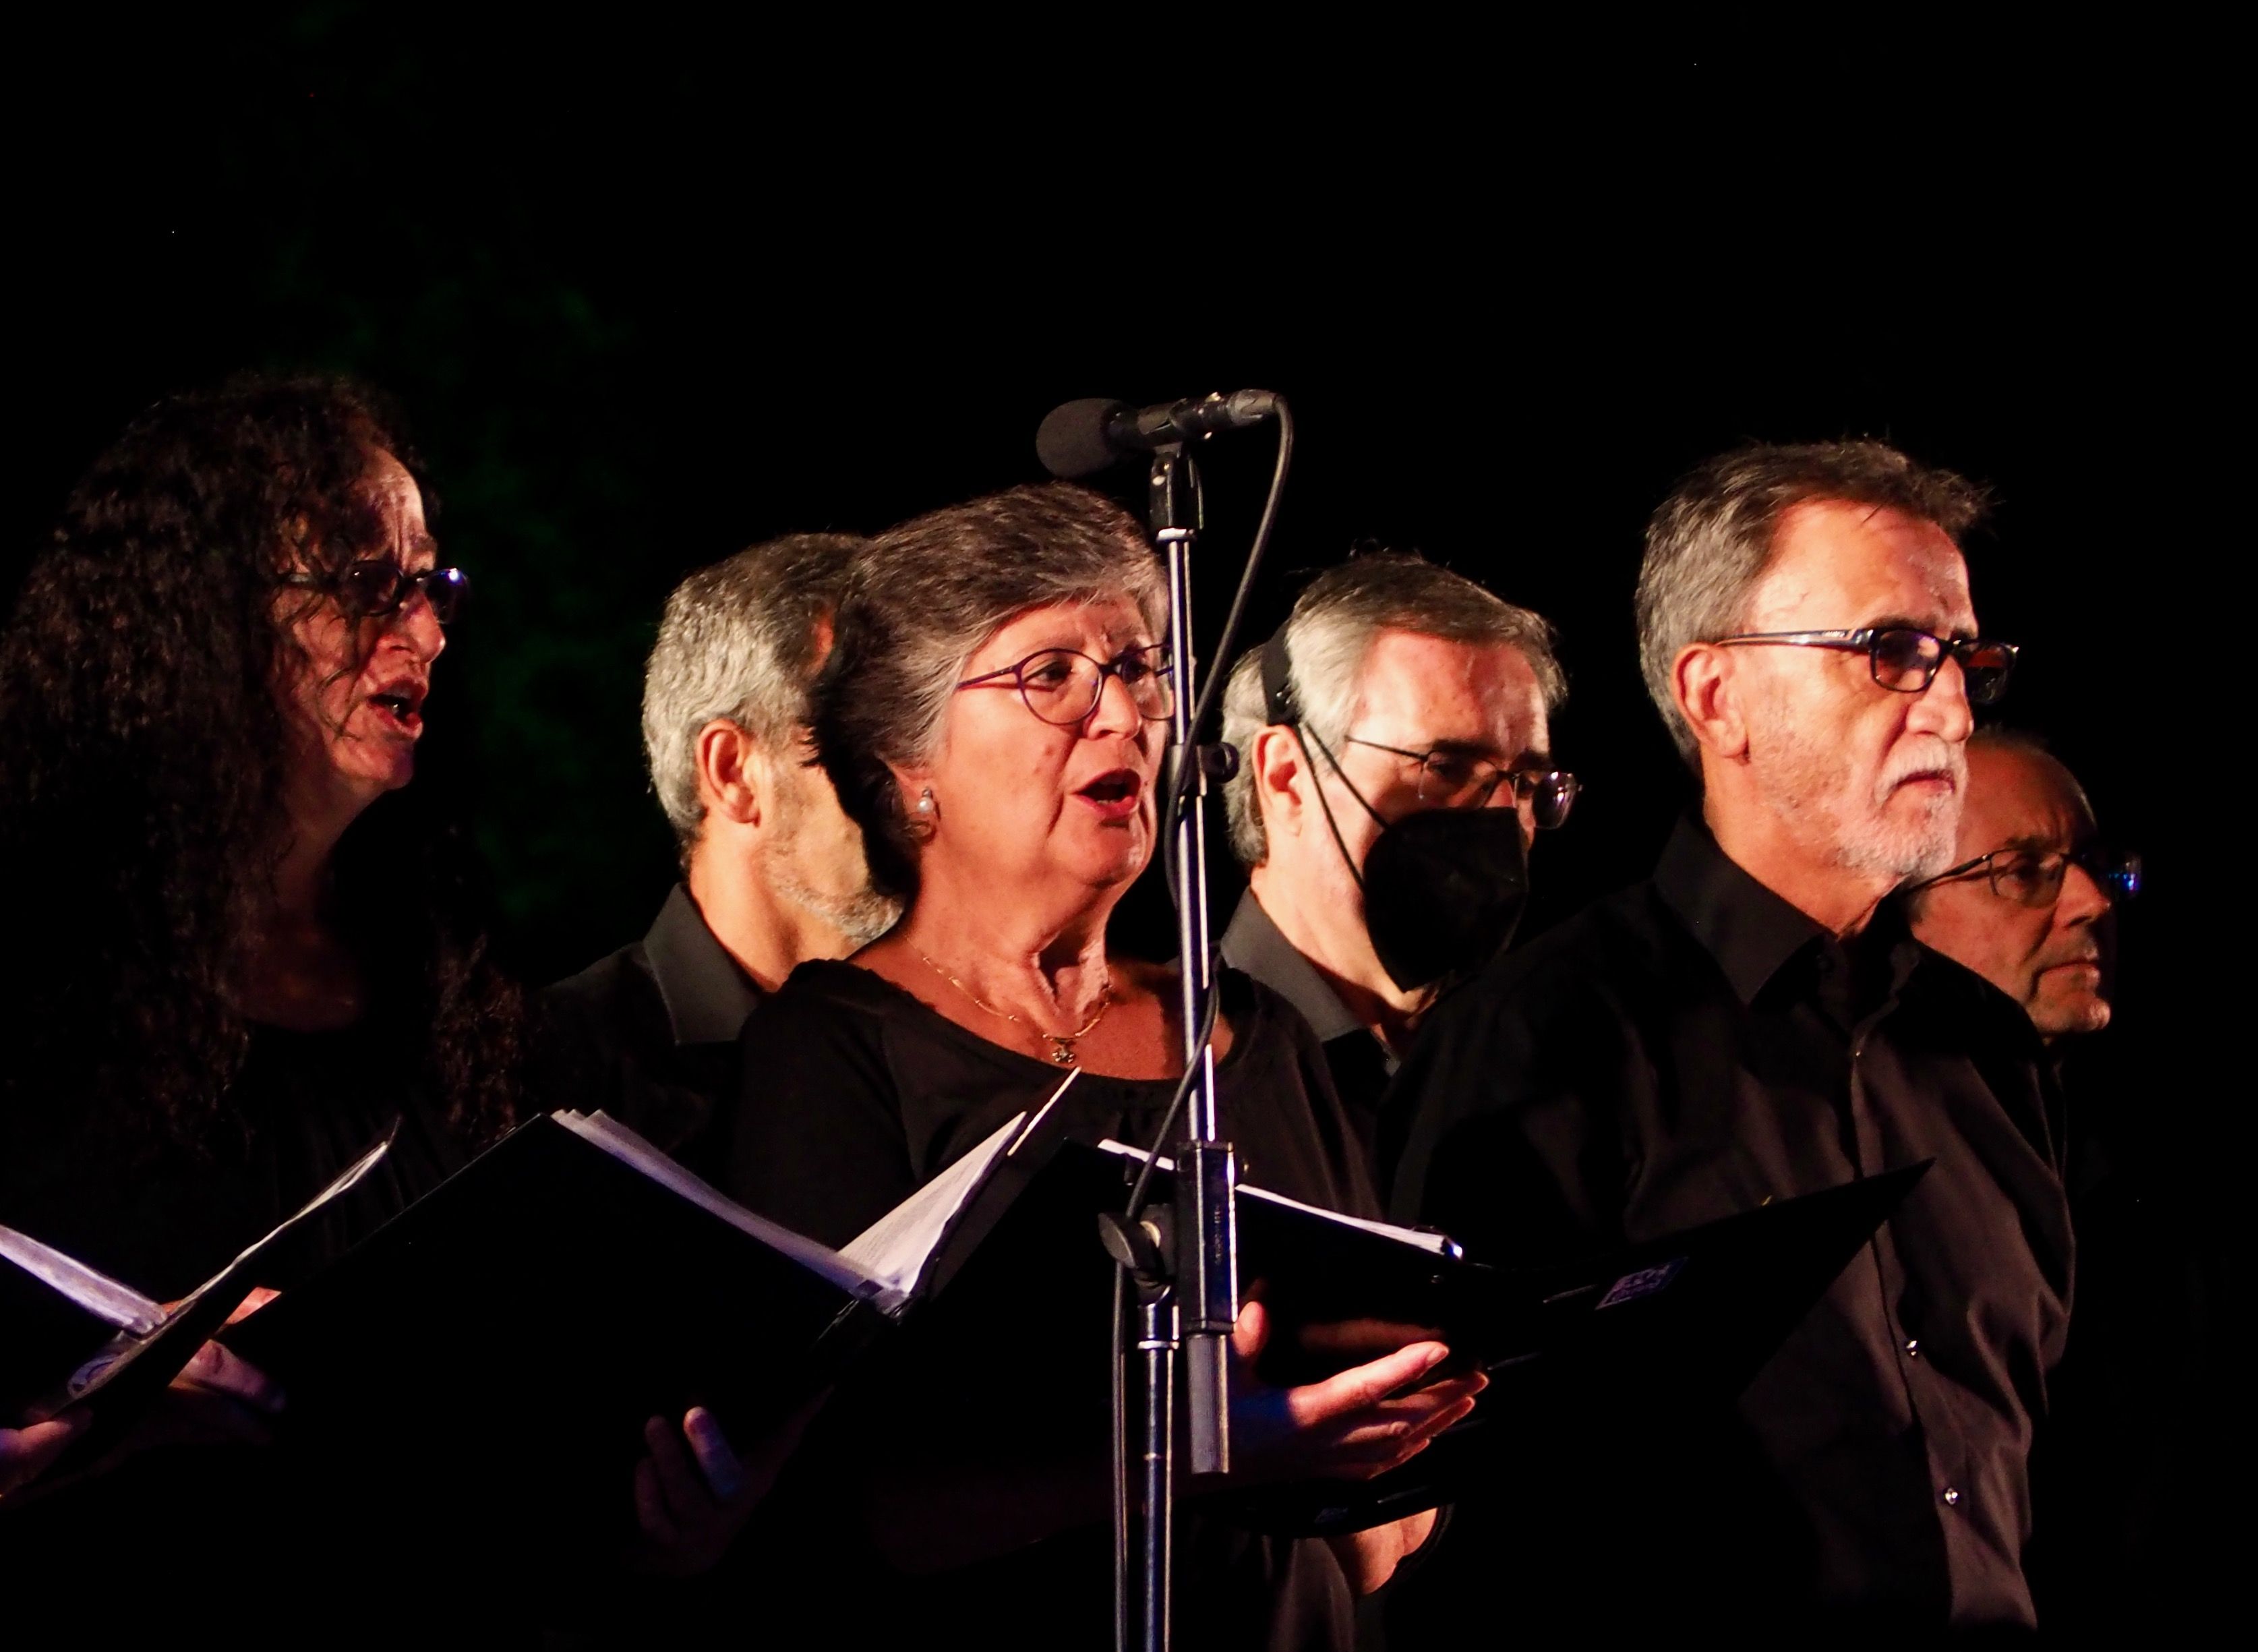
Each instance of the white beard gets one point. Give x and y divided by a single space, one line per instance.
861 916
1809 786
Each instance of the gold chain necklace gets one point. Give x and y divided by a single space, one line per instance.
1061 1043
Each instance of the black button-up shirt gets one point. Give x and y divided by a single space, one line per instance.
1695 1046
649 1034
1361 1066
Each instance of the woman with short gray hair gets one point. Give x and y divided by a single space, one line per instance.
993 716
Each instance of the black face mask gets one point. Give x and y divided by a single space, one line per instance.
1443 888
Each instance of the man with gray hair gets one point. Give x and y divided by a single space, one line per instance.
1756 1022
773 871
1395 688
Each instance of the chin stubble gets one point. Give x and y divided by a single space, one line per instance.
1809 788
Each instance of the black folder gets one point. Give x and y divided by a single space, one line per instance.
76 1337
498 1346
1658 1332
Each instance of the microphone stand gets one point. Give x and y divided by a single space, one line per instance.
1185 1270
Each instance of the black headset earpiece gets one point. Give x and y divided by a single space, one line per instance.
1278 705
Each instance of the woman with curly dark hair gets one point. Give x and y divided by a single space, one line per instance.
239 955
240 948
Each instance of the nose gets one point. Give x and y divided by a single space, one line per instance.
2083 900
1116 712
1941 708
417 627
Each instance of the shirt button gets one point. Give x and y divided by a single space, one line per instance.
1952 1497
1913 1348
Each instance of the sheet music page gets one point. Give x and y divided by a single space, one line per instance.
622 1144
113 1361
126 1307
1440 1244
100 1295
344 1182
896 1246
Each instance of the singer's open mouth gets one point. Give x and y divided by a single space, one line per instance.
400 706
1114 794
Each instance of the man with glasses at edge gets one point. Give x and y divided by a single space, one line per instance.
1755 1022
2030 904
1395 688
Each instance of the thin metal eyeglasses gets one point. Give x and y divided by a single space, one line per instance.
1905 661
372 589
1062 685
1451 779
2031 879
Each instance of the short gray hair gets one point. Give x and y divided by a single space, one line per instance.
1328 638
740 641
928 595
1711 541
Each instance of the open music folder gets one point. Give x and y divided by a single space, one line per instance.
502 1341
70 1335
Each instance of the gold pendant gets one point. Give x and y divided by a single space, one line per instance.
1062 1051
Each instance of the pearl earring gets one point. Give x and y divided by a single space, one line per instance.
925 801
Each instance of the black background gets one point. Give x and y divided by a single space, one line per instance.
650 296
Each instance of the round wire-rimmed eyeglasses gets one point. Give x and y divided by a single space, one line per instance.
375 588
1905 661
1062 685
2029 878
1454 779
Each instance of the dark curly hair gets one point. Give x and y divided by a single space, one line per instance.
142 759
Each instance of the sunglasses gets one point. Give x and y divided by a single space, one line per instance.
375 589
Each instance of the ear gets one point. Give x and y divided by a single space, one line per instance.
912 783
1279 769
1709 698
727 759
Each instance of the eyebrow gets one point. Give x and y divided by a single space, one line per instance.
1112 649
1911 622
1527 757
2031 843
422 544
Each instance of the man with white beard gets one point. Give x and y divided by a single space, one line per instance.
773 871
1753 1023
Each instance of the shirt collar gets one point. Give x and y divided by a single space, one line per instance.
708 996
1749 931
1255 946
1753 932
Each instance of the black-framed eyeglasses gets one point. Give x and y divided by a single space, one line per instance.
374 588
2029 878
1454 779
1905 661
1062 685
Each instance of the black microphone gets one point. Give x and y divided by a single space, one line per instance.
1081 437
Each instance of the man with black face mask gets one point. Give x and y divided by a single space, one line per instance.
1395 763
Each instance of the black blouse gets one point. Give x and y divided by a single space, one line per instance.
856 1093
306 1105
